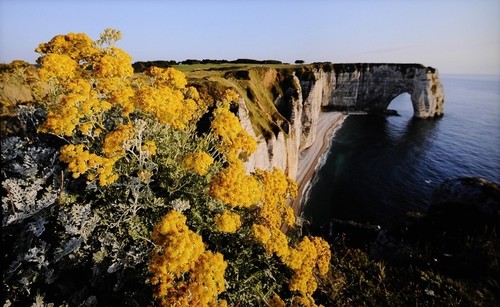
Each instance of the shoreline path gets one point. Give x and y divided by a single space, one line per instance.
328 122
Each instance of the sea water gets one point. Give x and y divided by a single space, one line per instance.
379 168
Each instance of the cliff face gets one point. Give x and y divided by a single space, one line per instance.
372 87
305 91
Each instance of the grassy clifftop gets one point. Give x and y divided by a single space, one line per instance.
259 85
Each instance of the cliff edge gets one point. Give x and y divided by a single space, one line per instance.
280 105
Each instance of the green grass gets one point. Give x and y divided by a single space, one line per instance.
257 94
227 66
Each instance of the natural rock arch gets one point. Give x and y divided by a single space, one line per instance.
372 87
400 102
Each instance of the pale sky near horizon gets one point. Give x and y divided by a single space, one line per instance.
454 36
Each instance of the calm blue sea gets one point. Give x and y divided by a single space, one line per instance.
380 167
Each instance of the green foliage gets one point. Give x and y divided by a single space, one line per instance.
417 275
62 219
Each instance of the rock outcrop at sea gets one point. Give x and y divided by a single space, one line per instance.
372 87
466 202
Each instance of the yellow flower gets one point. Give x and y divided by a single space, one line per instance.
114 142
261 233
324 255
303 259
149 146
81 161
234 187
233 138
115 62
168 99
181 252
178 246
277 188
168 77
78 46
86 128
198 162
227 221
276 301
57 66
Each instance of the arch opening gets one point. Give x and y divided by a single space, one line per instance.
401 105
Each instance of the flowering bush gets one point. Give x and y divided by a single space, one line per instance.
180 255
234 187
198 162
234 140
227 221
109 180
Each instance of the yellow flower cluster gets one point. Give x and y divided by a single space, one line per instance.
114 141
324 255
81 161
58 66
277 188
168 98
227 221
87 81
233 138
112 70
63 118
113 63
81 95
150 147
75 110
177 250
302 261
308 256
168 77
234 187
276 301
117 91
273 240
206 282
198 162
78 46
274 213
183 271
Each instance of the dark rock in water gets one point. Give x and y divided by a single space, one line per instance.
460 230
475 192
470 200
387 112
390 112
455 234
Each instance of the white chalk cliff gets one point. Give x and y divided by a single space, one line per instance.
342 87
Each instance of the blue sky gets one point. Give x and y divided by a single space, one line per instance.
455 36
